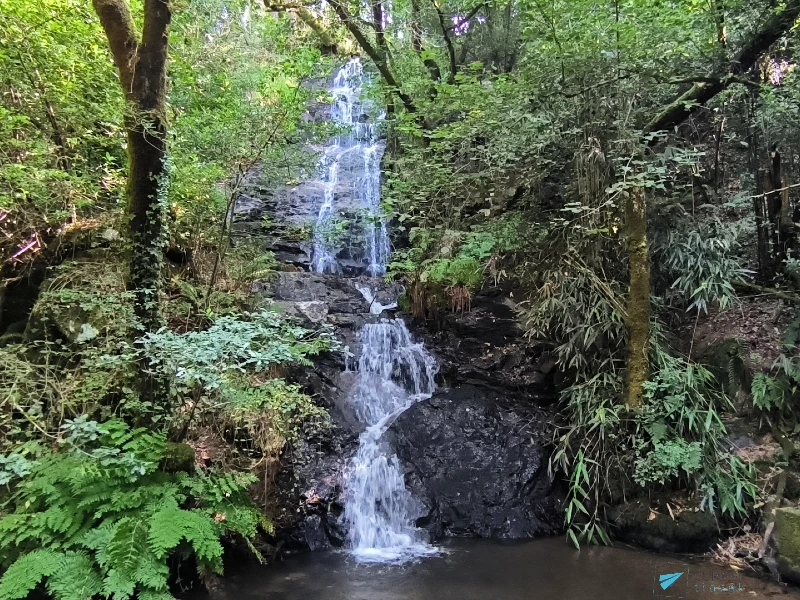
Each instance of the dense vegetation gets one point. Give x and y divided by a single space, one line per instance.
625 169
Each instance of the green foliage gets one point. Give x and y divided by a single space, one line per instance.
580 312
775 394
231 344
454 263
699 258
61 138
667 460
286 407
238 97
462 270
99 518
675 436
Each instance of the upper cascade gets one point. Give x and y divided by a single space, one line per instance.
351 159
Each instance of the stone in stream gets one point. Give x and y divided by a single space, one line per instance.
688 531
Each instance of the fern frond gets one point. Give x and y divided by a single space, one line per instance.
116 585
152 573
127 547
170 525
99 540
75 578
155 595
26 573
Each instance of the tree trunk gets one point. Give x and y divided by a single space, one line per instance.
638 317
142 66
451 51
146 176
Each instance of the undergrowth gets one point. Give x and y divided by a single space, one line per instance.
95 515
95 501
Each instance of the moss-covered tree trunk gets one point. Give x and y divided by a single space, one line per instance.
142 66
638 310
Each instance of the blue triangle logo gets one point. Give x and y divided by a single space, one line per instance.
668 579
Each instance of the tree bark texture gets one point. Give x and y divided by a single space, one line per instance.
142 66
638 317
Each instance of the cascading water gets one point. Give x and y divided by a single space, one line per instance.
359 149
394 372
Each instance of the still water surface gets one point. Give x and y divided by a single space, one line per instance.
483 570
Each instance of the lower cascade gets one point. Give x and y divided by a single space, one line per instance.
394 372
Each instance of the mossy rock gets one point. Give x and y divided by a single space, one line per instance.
724 359
178 458
787 537
689 531
81 300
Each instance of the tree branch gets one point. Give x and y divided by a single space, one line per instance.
703 91
451 51
470 14
326 40
372 52
115 17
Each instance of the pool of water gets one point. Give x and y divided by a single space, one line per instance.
484 570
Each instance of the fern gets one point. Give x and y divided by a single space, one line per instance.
100 519
76 578
26 573
170 525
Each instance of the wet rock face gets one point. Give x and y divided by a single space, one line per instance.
309 484
479 468
474 455
486 345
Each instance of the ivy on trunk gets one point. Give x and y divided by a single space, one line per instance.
142 66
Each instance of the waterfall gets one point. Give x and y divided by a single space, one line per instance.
393 373
357 151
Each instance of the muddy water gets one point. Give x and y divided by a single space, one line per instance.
482 570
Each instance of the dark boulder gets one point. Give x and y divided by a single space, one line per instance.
479 468
688 531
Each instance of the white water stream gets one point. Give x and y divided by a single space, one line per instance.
360 149
393 371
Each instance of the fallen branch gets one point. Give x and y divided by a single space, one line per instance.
752 287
